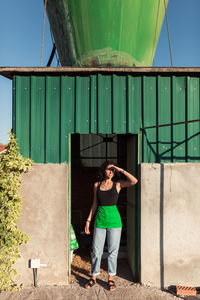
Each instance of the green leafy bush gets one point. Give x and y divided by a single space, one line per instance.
12 164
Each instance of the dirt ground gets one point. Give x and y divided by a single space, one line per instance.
80 270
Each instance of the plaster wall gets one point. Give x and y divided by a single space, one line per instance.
170 224
45 219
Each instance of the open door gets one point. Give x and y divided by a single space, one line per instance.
132 209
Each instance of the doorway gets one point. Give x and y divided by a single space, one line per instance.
88 152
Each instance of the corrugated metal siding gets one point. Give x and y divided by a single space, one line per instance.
169 100
178 115
47 108
164 117
149 117
37 138
193 112
22 106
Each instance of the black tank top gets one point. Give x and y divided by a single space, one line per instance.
109 197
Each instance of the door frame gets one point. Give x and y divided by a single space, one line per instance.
137 209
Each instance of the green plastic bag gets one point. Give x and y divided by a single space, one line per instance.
73 242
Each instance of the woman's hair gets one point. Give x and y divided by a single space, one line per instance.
102 169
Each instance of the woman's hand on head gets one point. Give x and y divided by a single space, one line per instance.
117 169
87 228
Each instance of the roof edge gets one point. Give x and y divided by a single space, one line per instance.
10 72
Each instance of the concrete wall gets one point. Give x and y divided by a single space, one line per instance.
170 224
44 218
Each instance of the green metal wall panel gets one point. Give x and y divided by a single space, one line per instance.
134 96
37 124
46 109
119 104
164 117
67 113
23 114
14 104
82 104
149 118
67 103
93 101
104 104
52 119
179 115
193 113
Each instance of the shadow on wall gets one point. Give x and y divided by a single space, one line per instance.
170 224
156 150
161 226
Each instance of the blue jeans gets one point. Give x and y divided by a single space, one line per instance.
113 242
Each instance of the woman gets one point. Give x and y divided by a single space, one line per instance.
108 220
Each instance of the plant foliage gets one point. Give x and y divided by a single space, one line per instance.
12 164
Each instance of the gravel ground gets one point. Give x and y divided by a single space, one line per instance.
135 292
126 289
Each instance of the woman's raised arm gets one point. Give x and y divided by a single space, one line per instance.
132 180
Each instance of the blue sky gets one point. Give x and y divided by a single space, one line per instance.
21 24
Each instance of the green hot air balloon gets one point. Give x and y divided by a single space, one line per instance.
106 32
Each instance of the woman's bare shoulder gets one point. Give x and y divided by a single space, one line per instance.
96 184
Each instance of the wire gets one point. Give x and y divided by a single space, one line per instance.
45 8
170 49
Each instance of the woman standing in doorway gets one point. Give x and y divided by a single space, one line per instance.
108 221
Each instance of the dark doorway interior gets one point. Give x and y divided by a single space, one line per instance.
88 152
